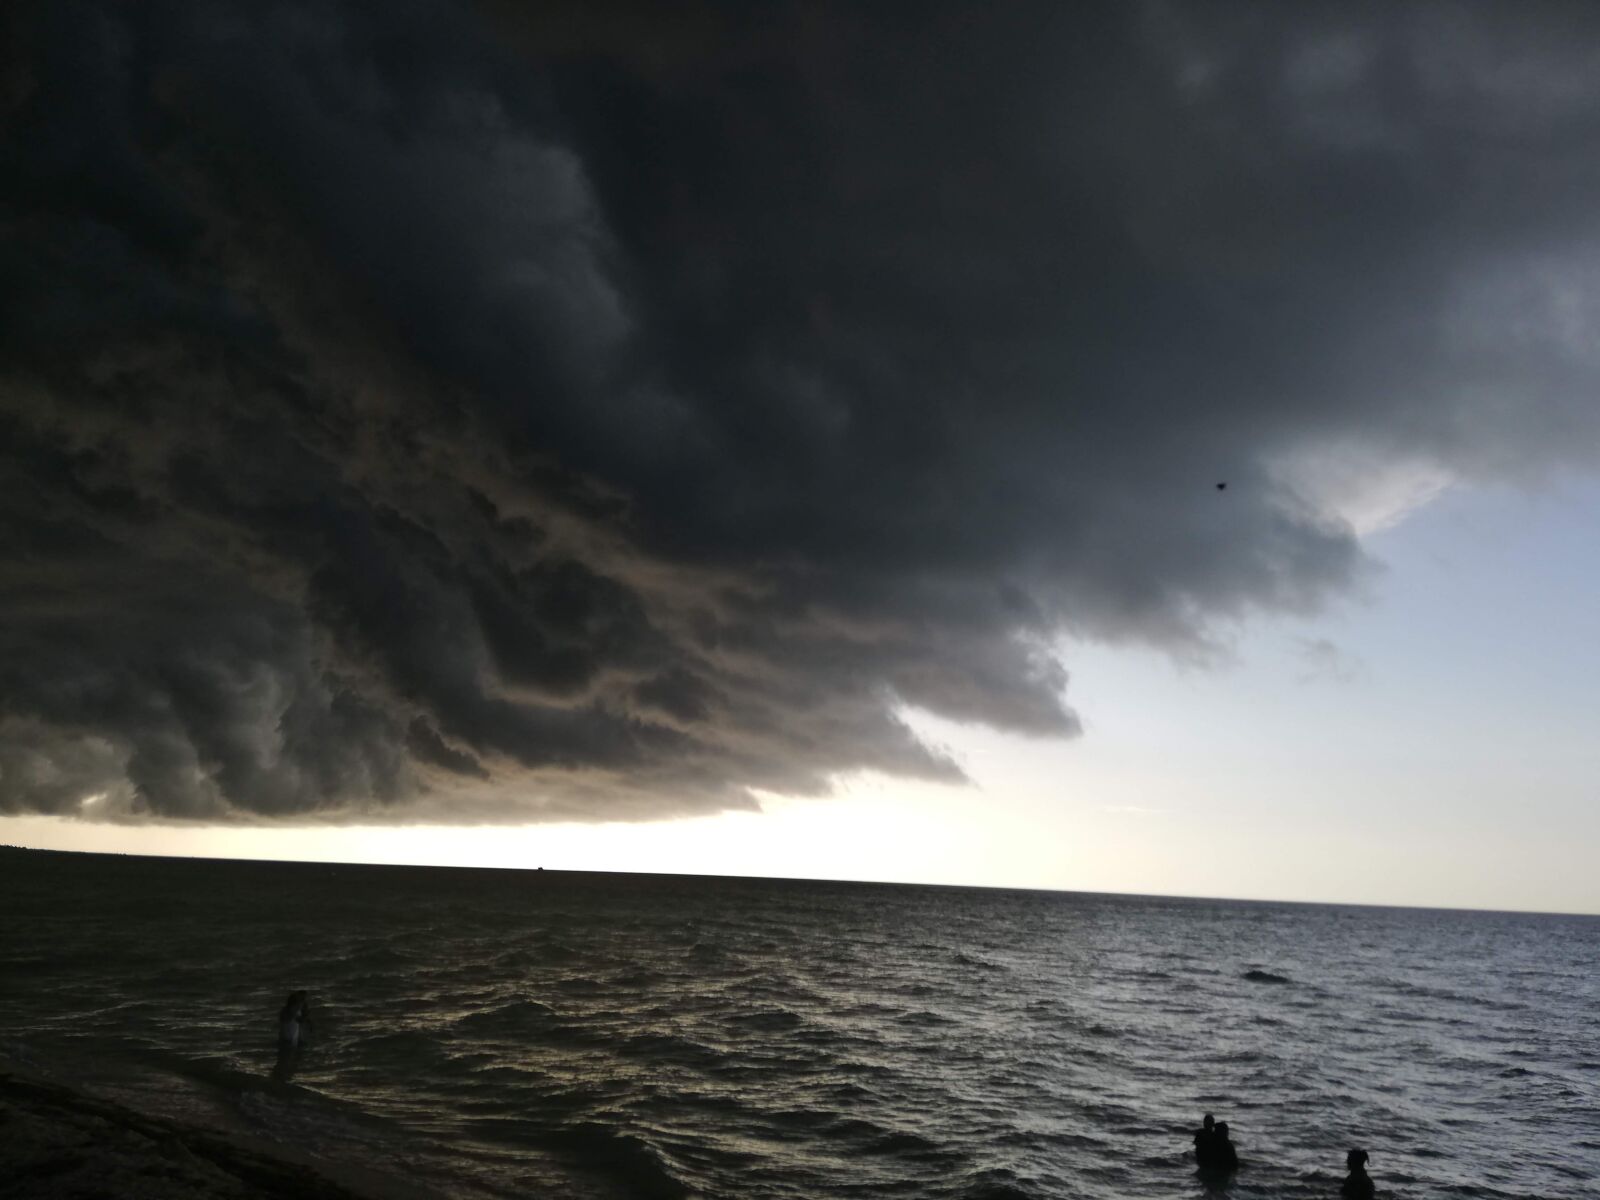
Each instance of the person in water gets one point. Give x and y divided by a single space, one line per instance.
1358 1184
294 1021
294 1027
1214 1153
1223 1156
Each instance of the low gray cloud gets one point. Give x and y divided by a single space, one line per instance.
436 412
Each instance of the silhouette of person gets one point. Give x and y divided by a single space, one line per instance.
1203 1139
294 1021
1220 1157
294 1026
1358 1184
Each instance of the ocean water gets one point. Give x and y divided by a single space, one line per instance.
488 1033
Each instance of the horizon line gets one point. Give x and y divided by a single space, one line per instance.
986 887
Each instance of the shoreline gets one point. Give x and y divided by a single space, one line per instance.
59 1143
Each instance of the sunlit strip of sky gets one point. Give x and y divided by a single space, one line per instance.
1429 744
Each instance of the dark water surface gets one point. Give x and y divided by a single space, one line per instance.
498 1033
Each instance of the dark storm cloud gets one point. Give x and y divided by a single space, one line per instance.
439 412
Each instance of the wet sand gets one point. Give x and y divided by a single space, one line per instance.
61 1144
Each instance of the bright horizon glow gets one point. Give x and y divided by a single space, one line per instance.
494 847
1350 758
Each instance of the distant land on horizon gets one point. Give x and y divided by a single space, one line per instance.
965 887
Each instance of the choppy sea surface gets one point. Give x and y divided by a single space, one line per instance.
494 1033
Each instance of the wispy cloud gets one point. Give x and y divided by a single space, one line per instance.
1322 660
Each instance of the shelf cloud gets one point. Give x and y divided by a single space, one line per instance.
435 412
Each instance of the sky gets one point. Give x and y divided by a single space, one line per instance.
1128 447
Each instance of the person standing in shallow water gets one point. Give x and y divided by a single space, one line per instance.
1214 1153
1358 1184
1223 1158
294 1022
294 1026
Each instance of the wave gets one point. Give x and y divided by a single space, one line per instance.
996 1184
583 985
518 1017
638 980
401 1047
377 957
923 1018
624 1157
766 1020
637 1031
554 952
708 952
962 958
871 1137
802 1118
670 1047
1448 996
1258 976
